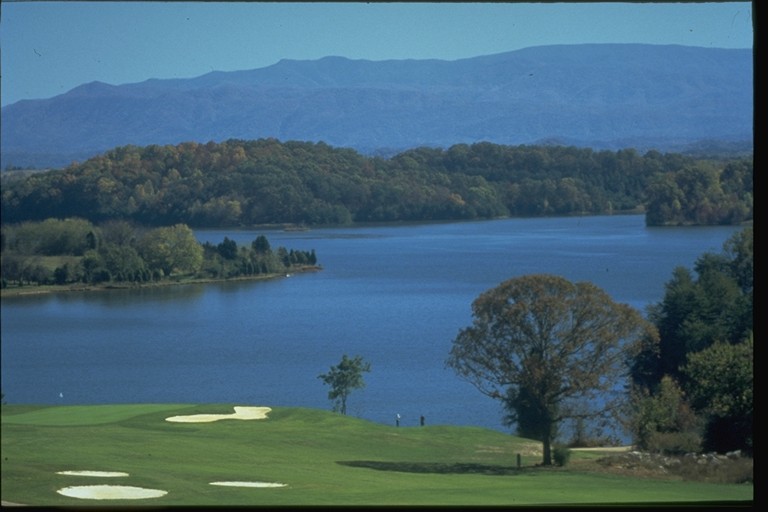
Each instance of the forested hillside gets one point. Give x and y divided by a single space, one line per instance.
245 183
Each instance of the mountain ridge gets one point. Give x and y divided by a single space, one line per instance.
596 95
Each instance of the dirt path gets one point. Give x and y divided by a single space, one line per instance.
603 449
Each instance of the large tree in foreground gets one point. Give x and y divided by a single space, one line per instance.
343 378
549 349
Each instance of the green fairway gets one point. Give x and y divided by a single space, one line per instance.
323 458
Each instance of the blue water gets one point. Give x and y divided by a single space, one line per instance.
396 295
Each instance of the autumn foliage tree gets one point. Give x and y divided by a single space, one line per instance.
549 349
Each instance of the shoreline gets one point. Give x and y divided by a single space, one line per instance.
34 290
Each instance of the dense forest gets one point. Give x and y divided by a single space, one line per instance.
692 385
75 251
247 183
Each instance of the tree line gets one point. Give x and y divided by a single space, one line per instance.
692 385
552 351
72 250
246 183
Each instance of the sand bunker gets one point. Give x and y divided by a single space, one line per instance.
104 474
249 484
241 413
110 492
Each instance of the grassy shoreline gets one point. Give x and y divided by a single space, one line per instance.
33 290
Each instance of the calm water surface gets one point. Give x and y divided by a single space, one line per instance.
396 295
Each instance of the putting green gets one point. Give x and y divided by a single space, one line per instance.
322 457
86 414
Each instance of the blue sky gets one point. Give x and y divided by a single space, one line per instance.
48 48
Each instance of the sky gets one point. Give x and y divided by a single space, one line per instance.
48 48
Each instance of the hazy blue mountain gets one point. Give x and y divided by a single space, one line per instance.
604 96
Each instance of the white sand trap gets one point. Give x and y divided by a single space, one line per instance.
104 474
249 484
110 492
241 413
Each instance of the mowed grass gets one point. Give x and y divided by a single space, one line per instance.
324 458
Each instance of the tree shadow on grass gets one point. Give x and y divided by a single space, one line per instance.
434 467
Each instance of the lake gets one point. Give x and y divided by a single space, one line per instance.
396 295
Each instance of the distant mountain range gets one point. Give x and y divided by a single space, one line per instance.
603 96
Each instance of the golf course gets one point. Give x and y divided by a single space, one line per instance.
236 455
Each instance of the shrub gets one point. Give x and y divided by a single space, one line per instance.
561 455
664 421
674 443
